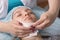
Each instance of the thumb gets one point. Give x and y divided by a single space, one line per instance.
38 22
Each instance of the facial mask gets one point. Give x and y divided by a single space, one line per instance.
26 24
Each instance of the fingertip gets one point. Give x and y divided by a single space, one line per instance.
20 23
32 26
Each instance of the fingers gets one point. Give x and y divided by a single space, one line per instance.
19 35
41 20
43 25
19 27
22 33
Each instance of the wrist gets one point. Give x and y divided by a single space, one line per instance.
53 12
3 27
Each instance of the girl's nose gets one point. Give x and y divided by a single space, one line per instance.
27 14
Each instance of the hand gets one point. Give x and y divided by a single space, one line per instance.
23 31
13 27
45 20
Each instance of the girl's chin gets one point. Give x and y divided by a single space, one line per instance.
29 21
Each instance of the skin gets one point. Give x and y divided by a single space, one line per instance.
10 27
33 38
46 18
44 21
25 15
28 17
14 27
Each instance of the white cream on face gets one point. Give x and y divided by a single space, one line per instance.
26 24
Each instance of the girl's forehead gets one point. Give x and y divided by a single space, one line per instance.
22 10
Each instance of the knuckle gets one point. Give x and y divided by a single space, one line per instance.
48 21
40 27
20 36
17 28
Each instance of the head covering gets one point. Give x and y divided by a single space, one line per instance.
14 3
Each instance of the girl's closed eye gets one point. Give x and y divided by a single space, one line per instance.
19 15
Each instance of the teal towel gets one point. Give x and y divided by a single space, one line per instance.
14 3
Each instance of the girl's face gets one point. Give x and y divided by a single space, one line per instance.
24 14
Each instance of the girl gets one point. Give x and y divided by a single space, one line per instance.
44 21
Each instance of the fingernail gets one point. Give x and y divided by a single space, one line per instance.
32 29
32 26
20 23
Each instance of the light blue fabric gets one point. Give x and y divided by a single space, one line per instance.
9 18
5 36
54 29
11 5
